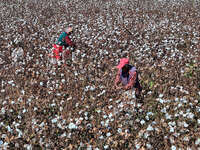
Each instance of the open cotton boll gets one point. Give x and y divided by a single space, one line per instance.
173 147
54 120
197 142
142 122
72 126
150 128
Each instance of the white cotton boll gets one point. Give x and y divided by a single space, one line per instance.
137 146
198 108
188 110
52 105
101 93
19 132
98 110
61 108
106 147
57 85
1 143
3 90
154 123
147 117
42 124
69 135
86 113
24 110
9 129
110 106
101 137
149 146
150 128
41 83
58 94
185 125
108 134
197 142
107 121
92 88
176 99
29 147
163 110
64 135
60 126
102 123
110 115
142 122
190 115
89 147
54 120
118 101
137 120
3 110
4 102
150 113
179 105
120 105
10 82
160 96
72 126
186 138
23 92
62 75
198 121
161 101
171 129
5 145
181 112
173 147
3 136
119 130
190 104
167 116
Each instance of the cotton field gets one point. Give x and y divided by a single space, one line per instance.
72 103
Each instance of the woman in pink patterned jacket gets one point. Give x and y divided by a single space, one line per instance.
127 75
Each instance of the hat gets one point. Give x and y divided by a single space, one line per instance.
68 30
123 61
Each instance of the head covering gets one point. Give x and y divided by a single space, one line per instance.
122 62
68 30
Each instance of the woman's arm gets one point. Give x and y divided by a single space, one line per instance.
131 81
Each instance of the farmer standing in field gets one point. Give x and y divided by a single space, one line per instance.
128 77
63 42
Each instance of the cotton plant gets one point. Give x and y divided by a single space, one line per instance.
97 31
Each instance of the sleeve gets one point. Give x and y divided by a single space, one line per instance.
117 79
68 41
132 80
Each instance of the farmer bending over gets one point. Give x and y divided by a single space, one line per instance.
127 75
63 41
